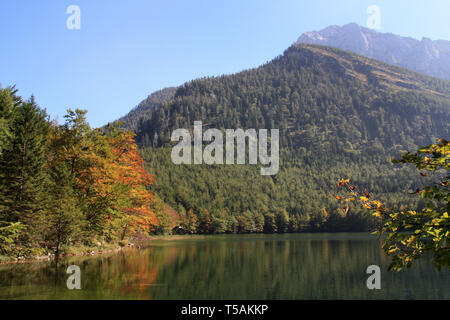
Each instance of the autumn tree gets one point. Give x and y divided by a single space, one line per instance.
111 183
76 150
165 215
64 184
130 177
413 233
189 221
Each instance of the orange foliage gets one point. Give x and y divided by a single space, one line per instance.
128 167
115 178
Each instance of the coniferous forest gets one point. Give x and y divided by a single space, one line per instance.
65 185
339 115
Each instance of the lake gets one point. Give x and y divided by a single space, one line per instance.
281 267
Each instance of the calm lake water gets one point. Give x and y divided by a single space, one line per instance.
287 267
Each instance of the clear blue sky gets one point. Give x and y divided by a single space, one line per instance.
125 50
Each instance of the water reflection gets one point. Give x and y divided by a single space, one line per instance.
231 267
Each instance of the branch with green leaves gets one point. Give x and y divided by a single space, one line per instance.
411 234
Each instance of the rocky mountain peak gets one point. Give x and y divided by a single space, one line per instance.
425 56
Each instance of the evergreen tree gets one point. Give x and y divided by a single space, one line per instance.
8 102
22 164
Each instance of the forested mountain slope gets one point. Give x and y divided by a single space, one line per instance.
145 108
319 97
339 115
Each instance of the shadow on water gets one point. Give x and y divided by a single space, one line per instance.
300 266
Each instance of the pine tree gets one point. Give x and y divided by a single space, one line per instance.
8 101
21 165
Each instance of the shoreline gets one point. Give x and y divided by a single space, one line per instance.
94 251
134 243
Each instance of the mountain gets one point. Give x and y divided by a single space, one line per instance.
425 56
143 111
314 95
340 115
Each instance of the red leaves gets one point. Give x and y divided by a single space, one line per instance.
366 194
113 178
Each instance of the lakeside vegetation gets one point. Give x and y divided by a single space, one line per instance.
64 186
67 185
